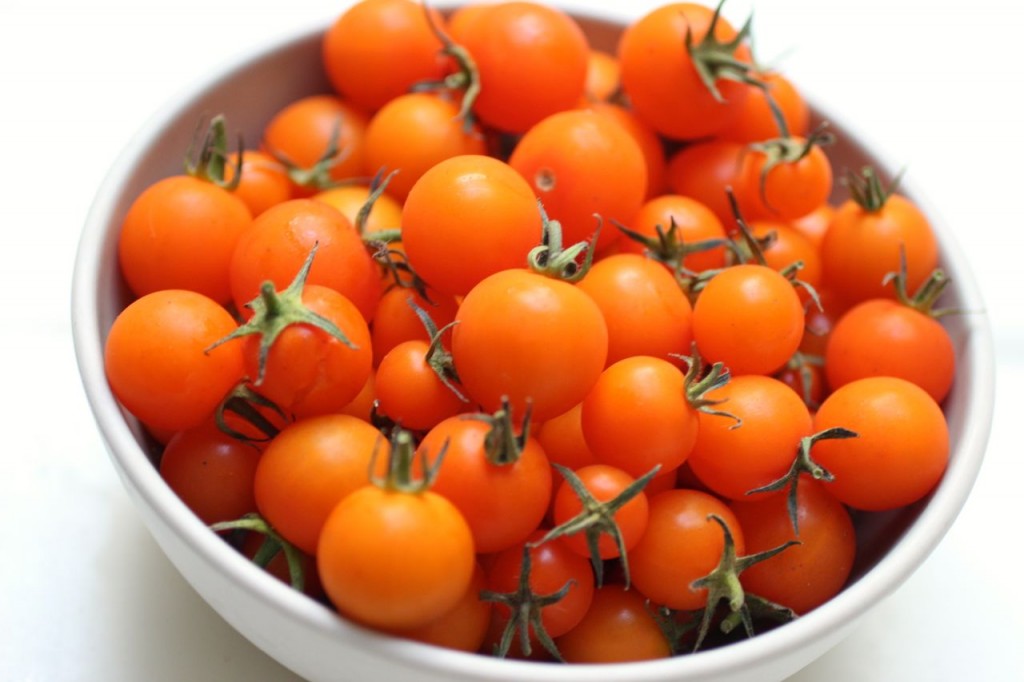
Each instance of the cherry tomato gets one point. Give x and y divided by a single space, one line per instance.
386 213
580 163
395 320
803 576
157 244
394 559
750 318
279 241
703 170
681 545
309 467
660 79
645 309
552 567
264 181
307 370
530 338
413 132
302 133
901 449
602 76
734 458
884 337
563 442
863 243
604 483
503 501
756 122
410 392
466 218
637 416
617 628
788 247
548 73
463 627
211 472
783 189
377 49
157 362
694 223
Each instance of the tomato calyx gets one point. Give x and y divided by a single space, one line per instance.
503 444
927 295
598 517
714 59
551 259
438 357
401 474
802 364
465 79
804 464
748 248
669 247
243 401
867 190
274 311
206 158
723 583
317 176
786 150
525 612
272 545
699 381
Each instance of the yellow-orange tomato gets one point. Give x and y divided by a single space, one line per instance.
413 132
264 181
386 213
532 62
580 163
466 218
157 244
302 132
377 49
394 559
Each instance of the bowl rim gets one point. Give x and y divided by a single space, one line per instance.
143 480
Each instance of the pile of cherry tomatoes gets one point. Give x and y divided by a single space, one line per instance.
512 345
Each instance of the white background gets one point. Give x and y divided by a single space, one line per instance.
85 594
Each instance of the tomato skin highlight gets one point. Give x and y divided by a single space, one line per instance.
392 559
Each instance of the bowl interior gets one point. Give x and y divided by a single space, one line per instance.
248 92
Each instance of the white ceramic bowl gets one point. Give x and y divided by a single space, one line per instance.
312 640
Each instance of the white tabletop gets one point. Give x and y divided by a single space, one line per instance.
85 594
